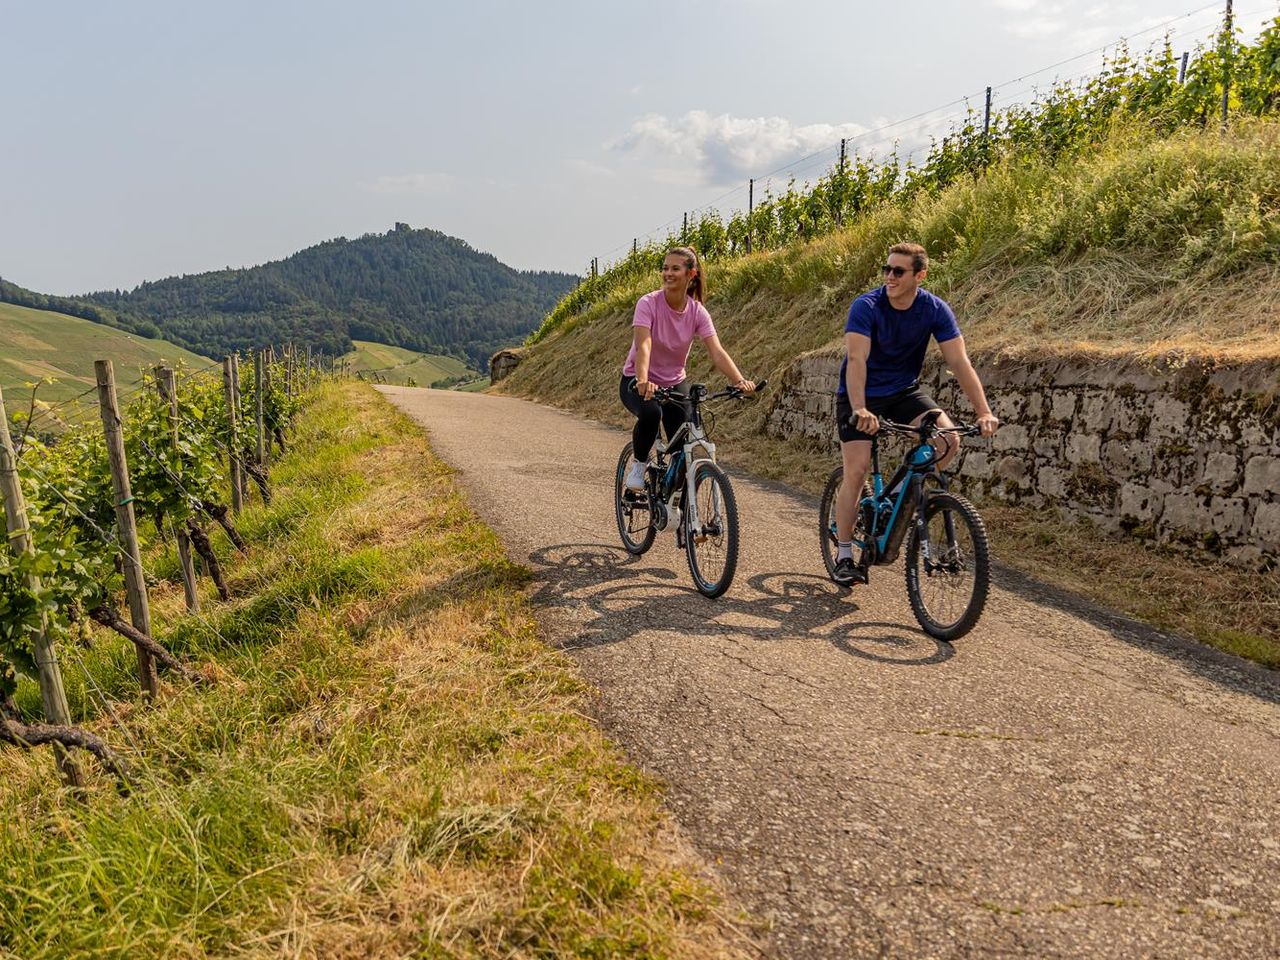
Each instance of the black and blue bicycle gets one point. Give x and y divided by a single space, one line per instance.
947 559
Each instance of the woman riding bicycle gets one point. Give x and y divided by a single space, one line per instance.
665 323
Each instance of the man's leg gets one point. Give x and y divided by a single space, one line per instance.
947 444
857 461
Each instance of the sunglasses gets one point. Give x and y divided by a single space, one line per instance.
895 271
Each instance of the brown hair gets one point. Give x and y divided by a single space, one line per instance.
919 259
697 286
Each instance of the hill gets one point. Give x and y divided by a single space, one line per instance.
398 365
42 343
418 289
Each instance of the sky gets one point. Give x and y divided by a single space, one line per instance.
146 139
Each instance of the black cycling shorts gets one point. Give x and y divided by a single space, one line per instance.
901 407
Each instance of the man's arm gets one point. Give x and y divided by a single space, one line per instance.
957 358
858 347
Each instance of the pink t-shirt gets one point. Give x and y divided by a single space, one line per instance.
672 334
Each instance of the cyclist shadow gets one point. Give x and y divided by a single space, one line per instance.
611 595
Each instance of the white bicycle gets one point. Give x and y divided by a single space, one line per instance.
687 491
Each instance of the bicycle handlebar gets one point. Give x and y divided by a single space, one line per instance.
965 429
671 395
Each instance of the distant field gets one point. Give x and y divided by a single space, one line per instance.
38 343
398 365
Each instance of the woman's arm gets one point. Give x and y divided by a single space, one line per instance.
724 363
644 346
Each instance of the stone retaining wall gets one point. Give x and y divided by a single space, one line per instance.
1177 449
502 363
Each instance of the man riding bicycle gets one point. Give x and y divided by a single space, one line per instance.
886 336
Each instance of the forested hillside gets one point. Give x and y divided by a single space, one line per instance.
417 289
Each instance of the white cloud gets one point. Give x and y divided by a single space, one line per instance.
1017 6
724 149
419 183
590 168
1035 28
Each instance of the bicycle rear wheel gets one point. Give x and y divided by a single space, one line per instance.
632 509
948 588
827 538
713 549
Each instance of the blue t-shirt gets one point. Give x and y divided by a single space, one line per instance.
898 338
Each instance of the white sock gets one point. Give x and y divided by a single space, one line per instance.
844 551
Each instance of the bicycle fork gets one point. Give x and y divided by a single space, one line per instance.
922 532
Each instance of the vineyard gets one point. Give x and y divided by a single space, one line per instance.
1151 96
84 505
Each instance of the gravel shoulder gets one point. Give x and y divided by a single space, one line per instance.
1059 783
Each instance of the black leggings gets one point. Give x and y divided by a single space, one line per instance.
649 413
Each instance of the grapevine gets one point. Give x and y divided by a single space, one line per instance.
1061 122
70 572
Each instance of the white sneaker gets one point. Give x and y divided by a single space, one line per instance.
635 476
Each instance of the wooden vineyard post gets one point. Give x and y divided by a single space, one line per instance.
268 379
233 455
242 453
135 582
257 398
169 391
52 694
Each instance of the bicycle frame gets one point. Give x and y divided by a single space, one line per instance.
688 438
908 480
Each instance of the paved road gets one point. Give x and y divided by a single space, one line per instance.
1058 784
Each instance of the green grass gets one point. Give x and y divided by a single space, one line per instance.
39 343
398 365
388 762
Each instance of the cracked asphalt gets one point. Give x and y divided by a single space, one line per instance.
1060 783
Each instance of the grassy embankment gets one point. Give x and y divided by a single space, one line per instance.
39 343
398 365
388 761
1141 247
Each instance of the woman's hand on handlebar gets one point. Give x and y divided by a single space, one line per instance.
745 385
645 388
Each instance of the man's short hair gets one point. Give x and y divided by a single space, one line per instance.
919 259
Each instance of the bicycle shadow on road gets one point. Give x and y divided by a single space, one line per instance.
611 595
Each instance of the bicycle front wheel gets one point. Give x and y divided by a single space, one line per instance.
948 583
632 509
712 545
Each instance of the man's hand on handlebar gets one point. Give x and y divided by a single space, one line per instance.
866 421
988 424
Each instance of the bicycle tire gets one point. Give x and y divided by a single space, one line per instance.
627 528
963 515
827 540
725 543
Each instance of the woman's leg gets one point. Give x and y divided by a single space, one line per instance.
648 414
675 414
